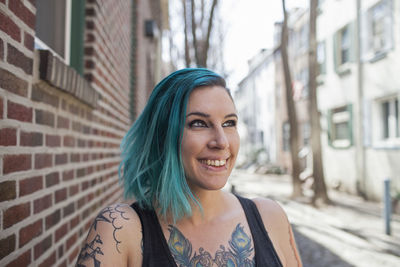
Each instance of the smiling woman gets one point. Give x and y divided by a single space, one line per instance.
176 158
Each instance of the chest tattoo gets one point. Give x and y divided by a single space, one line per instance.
238 253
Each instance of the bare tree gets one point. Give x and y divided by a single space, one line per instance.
320 190
197 40
294 142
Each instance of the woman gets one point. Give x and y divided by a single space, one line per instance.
177 157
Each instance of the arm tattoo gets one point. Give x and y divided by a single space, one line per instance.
238 254
93 248
90 251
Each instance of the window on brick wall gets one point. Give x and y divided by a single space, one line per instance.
59 28
340 134
376 30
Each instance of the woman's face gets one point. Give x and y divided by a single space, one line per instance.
210 139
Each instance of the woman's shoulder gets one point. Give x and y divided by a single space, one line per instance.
114 238
279 230
271 209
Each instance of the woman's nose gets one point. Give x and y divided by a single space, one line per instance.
219 140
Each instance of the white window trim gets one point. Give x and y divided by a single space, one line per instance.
378 140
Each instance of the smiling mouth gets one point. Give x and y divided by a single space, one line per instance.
214 163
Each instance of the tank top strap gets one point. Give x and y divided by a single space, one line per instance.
155 249
264 249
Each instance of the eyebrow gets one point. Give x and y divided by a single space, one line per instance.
201 114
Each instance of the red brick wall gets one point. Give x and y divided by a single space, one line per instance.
58 155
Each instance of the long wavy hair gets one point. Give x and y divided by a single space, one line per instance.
151 169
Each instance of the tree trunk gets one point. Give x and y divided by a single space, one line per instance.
187 48
320 190
294 142
206 44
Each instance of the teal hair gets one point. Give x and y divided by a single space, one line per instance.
151 170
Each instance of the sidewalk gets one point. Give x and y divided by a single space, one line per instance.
350 233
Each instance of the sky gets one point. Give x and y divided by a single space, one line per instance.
250 28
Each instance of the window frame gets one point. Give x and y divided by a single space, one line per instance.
73 36
336 116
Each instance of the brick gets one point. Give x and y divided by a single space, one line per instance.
60 254
81 143
71 241
16 214
39 95
50 261
74 222
30 139
69 141
23 260
29 232
75 157
63 264
81 172
69 209
62 122
61 232
42 247
68 175
18 59
53 140
8 26
60 195
53 219
52 179
45 117
7 245
8 190
14 163
12 83
74 254
76 126
30 185
43 161
19 112
81 202
42 203
28 41
73 190
61 158
22 12
8 136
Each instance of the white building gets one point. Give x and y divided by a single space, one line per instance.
255 102
359 100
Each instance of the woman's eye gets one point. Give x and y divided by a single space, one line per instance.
230 123
197 123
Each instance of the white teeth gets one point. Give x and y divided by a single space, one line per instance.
216 163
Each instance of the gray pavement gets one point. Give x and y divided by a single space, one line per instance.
349 233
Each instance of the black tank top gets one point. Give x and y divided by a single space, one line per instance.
157 254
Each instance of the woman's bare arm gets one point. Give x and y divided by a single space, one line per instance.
114 239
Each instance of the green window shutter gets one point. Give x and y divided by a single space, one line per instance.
329 117
77 34
350 124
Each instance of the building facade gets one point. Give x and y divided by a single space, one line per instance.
73 75
255 102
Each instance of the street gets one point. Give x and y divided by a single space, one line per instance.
350 233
